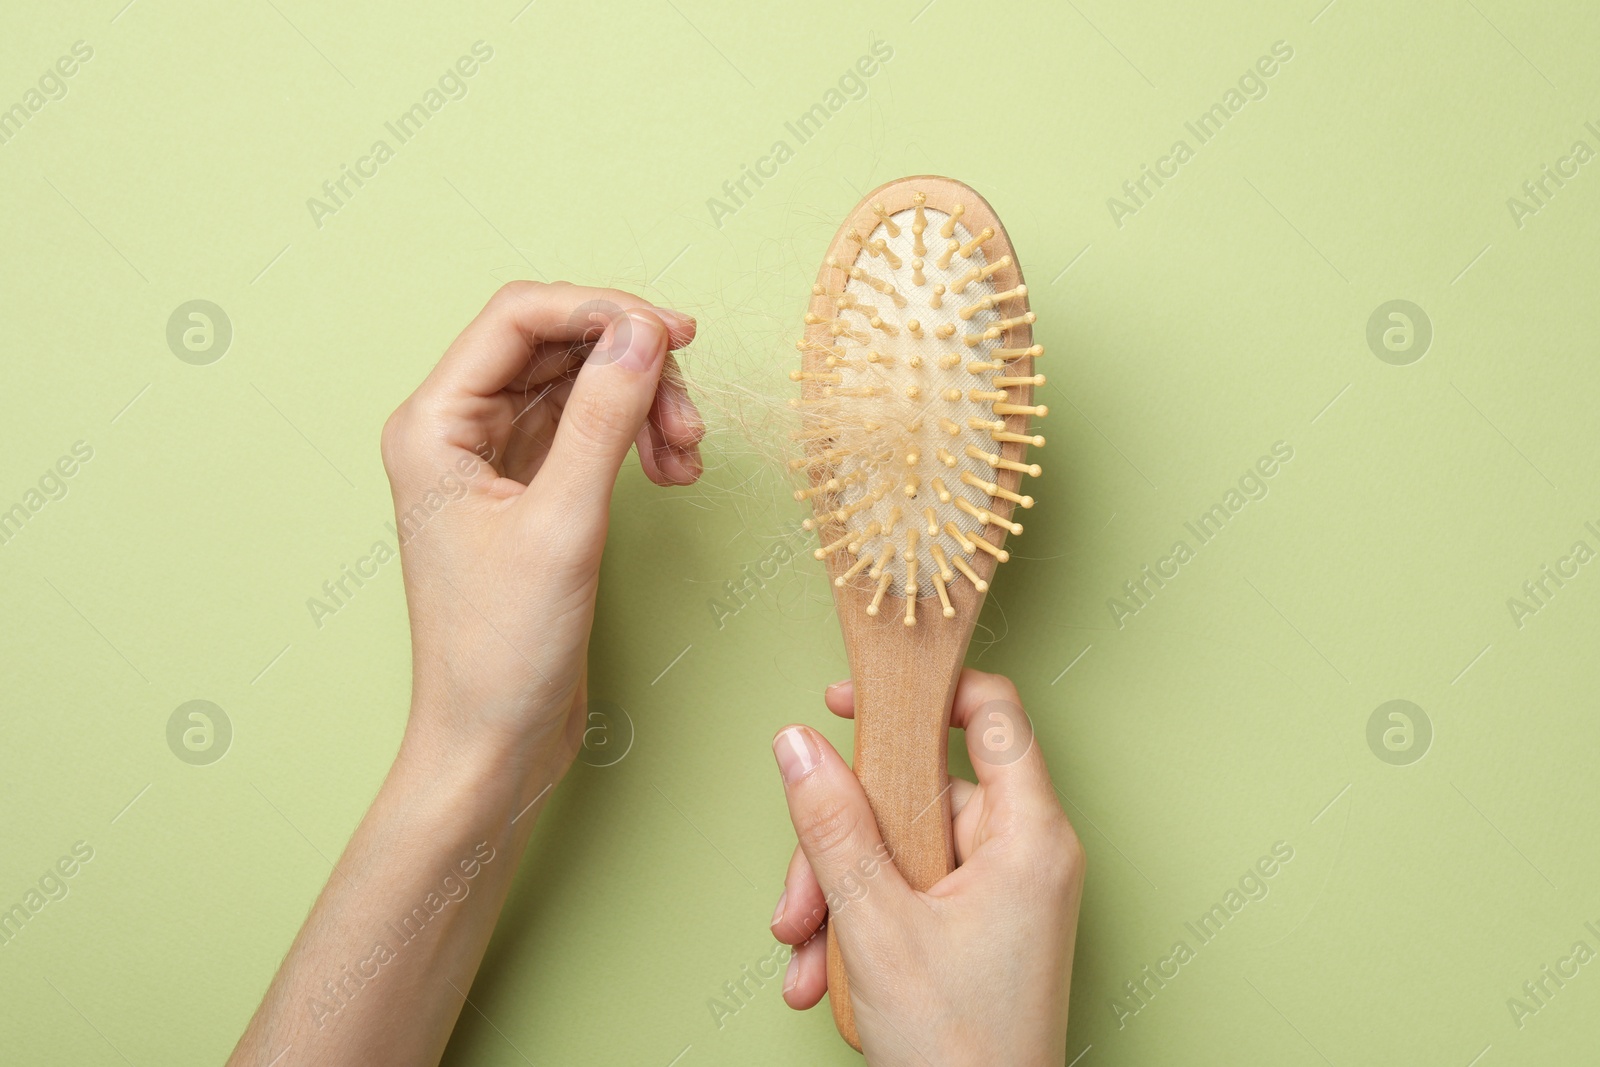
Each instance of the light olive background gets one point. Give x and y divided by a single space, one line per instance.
1228 313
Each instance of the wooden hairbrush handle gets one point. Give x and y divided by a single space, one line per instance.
905 679
916 394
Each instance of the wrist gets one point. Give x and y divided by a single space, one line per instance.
475 709
487 764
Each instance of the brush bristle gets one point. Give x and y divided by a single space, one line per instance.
911 402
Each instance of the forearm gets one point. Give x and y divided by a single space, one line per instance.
382 966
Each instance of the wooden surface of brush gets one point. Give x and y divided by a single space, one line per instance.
916 395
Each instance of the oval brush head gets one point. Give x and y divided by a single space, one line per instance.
917 381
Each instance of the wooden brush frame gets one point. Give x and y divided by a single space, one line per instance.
905 676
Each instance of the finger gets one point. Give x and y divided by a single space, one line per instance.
676 414
547 363
613 393
837 831
807 976
841 698
966 818
552 360
647 442
683 464
1000 739
497 345
961 792
801 909
664 461
664 464
675 432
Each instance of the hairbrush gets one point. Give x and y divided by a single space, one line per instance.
916 394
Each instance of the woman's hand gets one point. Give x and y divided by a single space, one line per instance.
975 970
502 465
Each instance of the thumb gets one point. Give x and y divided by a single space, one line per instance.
609 401
837 830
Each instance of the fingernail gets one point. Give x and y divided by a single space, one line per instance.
689 465
676 319
681 466
777 913
836 685
797 754
792 974
635 341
